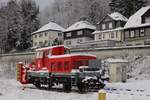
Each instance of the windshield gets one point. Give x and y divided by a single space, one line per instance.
39 54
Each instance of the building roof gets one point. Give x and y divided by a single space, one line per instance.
117 16
80 25
111 60
50 26
136 19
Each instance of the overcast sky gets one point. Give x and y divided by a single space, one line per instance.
41 3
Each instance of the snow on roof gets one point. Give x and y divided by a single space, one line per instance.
80 25
136 19
111 60
46 48
70 55
117 16
50 26
116 29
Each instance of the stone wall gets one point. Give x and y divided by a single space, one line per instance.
8 62
121 52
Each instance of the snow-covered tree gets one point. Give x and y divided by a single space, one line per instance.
67 12
30 22
18 20
12 13
126 7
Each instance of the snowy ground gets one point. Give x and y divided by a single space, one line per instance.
132 90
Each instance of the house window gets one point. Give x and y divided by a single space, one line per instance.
147 31
68 42
110 25
79 32
60 34
68 34
117 34
142 32
35 36
40 35
46 42
137 33
45 34
35 43
112 35
147 20
40 43
103 26
79 40
132 34
127 34
103 36
99 36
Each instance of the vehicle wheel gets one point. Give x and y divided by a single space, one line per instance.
37 84
81 87
67 87
102 85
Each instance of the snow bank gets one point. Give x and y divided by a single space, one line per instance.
133 90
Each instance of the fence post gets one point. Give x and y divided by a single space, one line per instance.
101 95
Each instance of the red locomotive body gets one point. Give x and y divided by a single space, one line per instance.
56 65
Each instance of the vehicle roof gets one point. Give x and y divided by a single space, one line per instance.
51 47
71 55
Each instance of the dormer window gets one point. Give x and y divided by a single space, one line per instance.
147 20
103 26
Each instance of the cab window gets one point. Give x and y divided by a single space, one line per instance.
67 51
39 54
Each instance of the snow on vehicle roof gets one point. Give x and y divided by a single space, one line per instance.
111 60
50 26
70 55
116 29
117 16
46 48
136 19
80 25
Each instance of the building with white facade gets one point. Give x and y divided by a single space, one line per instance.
111 28
47 35
137 29
78 33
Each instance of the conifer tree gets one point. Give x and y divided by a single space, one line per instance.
126 7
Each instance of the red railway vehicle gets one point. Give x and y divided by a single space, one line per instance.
56 65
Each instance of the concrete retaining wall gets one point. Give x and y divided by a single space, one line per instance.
8 62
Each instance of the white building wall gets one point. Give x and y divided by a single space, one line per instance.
107 36
44 39
76 41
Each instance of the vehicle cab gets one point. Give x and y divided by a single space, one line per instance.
42 55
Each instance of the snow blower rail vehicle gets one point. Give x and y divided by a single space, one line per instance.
56 65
